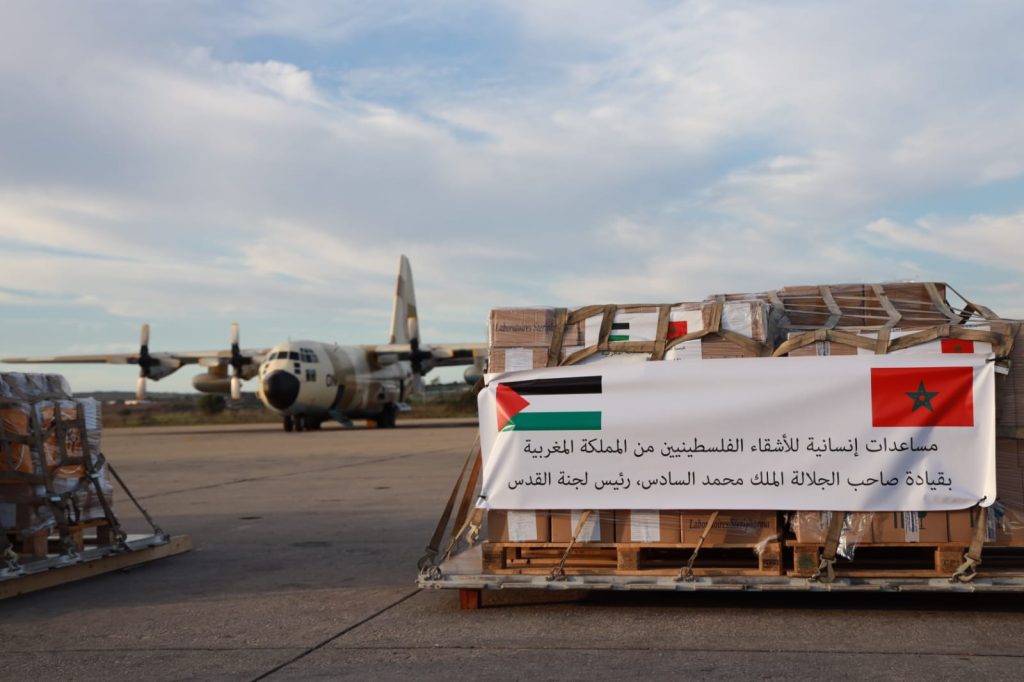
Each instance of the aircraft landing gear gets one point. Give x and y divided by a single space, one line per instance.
301 423
388 416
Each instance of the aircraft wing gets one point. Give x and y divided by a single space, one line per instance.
441 354
167 360
446 354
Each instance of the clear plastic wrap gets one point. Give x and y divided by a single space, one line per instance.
57 432
38 408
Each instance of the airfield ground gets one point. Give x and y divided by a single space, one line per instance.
304 568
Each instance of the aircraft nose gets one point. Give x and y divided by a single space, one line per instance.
281 389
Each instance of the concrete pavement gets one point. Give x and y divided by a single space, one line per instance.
304 568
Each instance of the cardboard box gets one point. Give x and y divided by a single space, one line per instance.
716 348
1013 415
518 526
910 527
749 318
1004 526
811 527
821 348
14 420
805 305
961 525
647 526
731 527
527 328
600 526
516 359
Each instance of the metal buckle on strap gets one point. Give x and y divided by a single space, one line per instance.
828 566
967 571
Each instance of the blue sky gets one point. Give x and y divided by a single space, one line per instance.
189 164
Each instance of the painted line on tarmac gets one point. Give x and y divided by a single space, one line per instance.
344 632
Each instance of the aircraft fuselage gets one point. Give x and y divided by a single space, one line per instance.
318 381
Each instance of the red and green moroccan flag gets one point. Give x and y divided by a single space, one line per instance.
922 396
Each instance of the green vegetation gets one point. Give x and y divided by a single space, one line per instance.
461 404
211 404
189 410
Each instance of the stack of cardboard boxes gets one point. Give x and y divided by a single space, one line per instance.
522 338
42 446
633 526
751 325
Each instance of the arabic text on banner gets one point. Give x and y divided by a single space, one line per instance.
859 433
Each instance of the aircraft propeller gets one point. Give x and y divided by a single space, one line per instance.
417 356
237 362
145 362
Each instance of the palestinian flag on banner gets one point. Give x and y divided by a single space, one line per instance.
922 396
514 415
957 346
619 331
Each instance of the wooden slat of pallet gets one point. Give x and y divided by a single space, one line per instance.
633 559
12 587
41 543
884 560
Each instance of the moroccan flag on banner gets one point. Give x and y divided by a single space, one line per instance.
677 329
512 406
619 331
922 396
957 346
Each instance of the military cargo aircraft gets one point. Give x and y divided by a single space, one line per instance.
309 382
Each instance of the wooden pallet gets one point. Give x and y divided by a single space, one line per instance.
520 558
44 542
884 560
95 561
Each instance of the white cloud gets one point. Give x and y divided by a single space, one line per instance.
284 80
982 240
171 158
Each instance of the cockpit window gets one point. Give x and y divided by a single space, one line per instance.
293 355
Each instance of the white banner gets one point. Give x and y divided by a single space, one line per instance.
857 433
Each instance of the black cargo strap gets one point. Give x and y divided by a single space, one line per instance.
968 570
828 554
152 524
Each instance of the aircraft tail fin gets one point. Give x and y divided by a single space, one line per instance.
404 321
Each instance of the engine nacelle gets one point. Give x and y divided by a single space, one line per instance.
472 375
159 371
210 383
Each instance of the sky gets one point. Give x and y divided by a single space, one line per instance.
193 163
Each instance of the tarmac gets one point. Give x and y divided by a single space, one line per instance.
304 568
